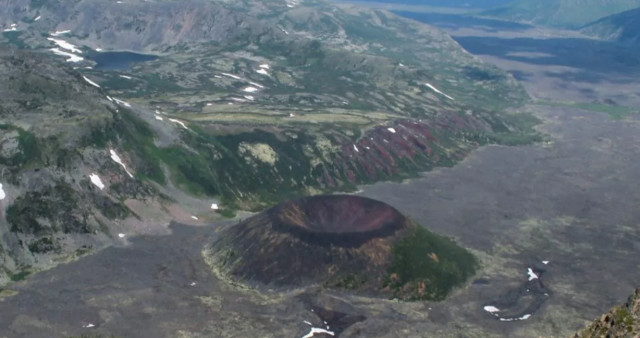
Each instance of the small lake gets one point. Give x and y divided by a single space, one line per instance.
118 60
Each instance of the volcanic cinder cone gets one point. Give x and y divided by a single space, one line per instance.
342 241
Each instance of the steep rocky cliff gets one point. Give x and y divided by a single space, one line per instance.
620 321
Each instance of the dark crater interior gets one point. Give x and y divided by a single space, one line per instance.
342 220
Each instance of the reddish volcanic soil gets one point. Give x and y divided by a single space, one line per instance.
337 214
326 239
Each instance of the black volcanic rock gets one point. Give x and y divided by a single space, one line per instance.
342 241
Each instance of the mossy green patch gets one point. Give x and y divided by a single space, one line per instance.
428 266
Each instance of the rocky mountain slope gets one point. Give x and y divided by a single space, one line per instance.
623 27
247 104
620 321
561 13
65 182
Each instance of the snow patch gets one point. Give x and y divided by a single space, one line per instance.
117 159
392 130
356 148
525 317
262 71
98 49
65 45
88 326
121 235
214 206
37 18
264 66
439 92
13 27
315 330
532 275
71 57
232 76
159 118
126 104
180 123
491 309
126 77
545 262
291 115
58 33
250 89
194 217
91 82
95 179
3 195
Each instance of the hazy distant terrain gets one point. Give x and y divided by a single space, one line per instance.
623 27
561 13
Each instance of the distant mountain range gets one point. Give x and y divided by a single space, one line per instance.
443 3
623 27
561 13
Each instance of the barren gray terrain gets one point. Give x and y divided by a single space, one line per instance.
570 202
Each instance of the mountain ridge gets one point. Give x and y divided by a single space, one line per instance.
563 13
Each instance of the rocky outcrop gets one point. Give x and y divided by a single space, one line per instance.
621 321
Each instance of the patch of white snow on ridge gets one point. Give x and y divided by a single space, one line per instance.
525 317
232 76
194 217
214 206
37 18
98 49
58 33
250 89
71 57
88 326
545 262
121 235
262 71
159 118
179 122
315 330
3 195
392 130
264 65
117 159
438 91
532 275
491 309
13 27
65 45
95 179
126 77
256 84
90 82
126 104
